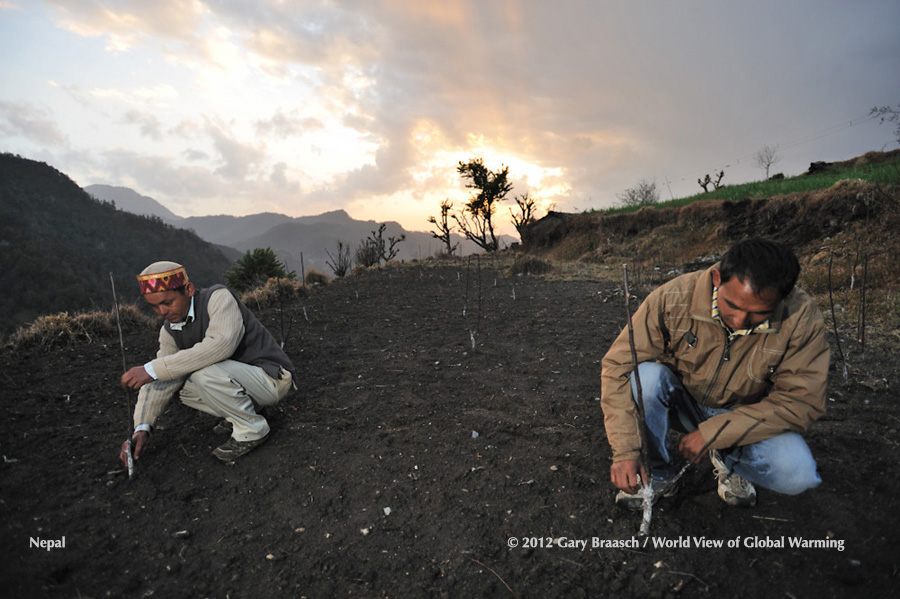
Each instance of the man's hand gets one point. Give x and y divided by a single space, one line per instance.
135 378
138 440
691 444
624 475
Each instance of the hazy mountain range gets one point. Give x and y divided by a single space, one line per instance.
59 245
306 237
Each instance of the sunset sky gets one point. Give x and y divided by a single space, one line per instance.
306 106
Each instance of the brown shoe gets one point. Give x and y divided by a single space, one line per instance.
233 449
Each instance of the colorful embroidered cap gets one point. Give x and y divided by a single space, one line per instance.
162 276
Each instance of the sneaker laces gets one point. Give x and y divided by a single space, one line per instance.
722 473
736 483
720 470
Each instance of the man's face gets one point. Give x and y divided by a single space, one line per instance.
739 306
171 305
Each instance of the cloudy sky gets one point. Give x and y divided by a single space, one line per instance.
305 106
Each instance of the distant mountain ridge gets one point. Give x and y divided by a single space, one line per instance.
58 246
129 200
305 240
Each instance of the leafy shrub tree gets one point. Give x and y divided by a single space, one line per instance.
256 267
476 219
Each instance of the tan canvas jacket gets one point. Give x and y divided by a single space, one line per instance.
776 376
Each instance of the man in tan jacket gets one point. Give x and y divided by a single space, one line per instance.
738 343
215 354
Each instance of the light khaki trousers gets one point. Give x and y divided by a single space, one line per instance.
229 389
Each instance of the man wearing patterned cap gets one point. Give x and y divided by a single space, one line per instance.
213 352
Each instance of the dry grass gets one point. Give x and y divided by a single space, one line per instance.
360 269
63 329
316 277
275 291
529 265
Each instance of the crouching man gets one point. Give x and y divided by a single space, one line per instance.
737 343
215 354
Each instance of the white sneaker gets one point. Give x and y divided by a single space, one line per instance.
733 489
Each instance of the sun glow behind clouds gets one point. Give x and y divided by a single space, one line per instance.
543 184
435 173
300 113
316 105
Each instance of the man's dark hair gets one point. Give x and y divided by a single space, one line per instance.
769 264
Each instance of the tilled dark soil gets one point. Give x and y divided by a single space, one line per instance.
410 464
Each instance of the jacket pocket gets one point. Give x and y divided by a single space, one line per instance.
763 364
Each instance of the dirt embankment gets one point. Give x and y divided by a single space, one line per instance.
850 217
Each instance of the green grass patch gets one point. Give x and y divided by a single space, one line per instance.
882 173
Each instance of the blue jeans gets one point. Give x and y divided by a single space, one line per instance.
782 463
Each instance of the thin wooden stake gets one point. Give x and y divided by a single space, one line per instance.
647 489
302 272
642 432
130 460
861 321
837 336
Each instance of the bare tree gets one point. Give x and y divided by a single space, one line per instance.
766 158
444 227
389 251
526 216
642 194
475 220
707 181
374 249
890 114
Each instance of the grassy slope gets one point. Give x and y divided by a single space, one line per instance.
880 168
